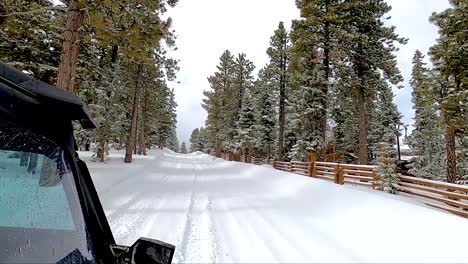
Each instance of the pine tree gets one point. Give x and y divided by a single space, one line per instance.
195 140
370 49
427 136
265 114
389 179
308 93
344 115
142 17
279 60
384 121
242 82
317 35
245 133
183 148
450 60
173 141
216 102
31 42
203 140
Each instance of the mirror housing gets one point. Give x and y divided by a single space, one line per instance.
144 251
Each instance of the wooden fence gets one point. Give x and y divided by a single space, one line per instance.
449 197
334 172
445 196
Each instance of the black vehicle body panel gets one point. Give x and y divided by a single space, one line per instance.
49 111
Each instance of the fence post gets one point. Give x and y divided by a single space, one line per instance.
311 166
340 175
377 178
314 170
290 166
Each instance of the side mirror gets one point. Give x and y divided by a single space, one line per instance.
145 251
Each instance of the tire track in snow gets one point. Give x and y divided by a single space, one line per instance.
181 253
199 241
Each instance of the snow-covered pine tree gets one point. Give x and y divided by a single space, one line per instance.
31 42
389 179
243 81
246 126
120 29
173 142
195 144
322 27
279 53
370 48
427 138
384 121
216 102
203 141
183 148
450 59
306 104
265 126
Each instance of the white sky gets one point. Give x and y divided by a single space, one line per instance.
208 27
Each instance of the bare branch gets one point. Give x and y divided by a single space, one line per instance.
60 8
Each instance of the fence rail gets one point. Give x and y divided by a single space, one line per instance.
441 195
449 197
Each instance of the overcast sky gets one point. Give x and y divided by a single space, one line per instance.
206 28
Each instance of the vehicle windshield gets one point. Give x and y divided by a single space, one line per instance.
40 215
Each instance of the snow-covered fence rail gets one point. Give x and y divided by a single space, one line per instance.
446 196
257 161
284 166
335 172
361 175
326 171
302 168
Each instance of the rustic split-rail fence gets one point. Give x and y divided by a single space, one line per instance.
445 196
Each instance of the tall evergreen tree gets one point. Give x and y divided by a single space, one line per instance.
265 114
427 137
370 49
194 140
279 60
384 122
183 148
317 35
216 102
450 60
245 133
243 81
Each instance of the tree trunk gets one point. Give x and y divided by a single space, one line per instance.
268 155
133 126
362 120
282 115
102 153
142 147
326 66
136 137
218 149
451 155
71 48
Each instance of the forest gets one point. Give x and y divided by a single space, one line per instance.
327 93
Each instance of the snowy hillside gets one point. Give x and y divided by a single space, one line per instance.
219 211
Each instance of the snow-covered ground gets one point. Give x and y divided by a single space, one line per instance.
226 212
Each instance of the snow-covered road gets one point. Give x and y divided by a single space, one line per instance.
226 212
